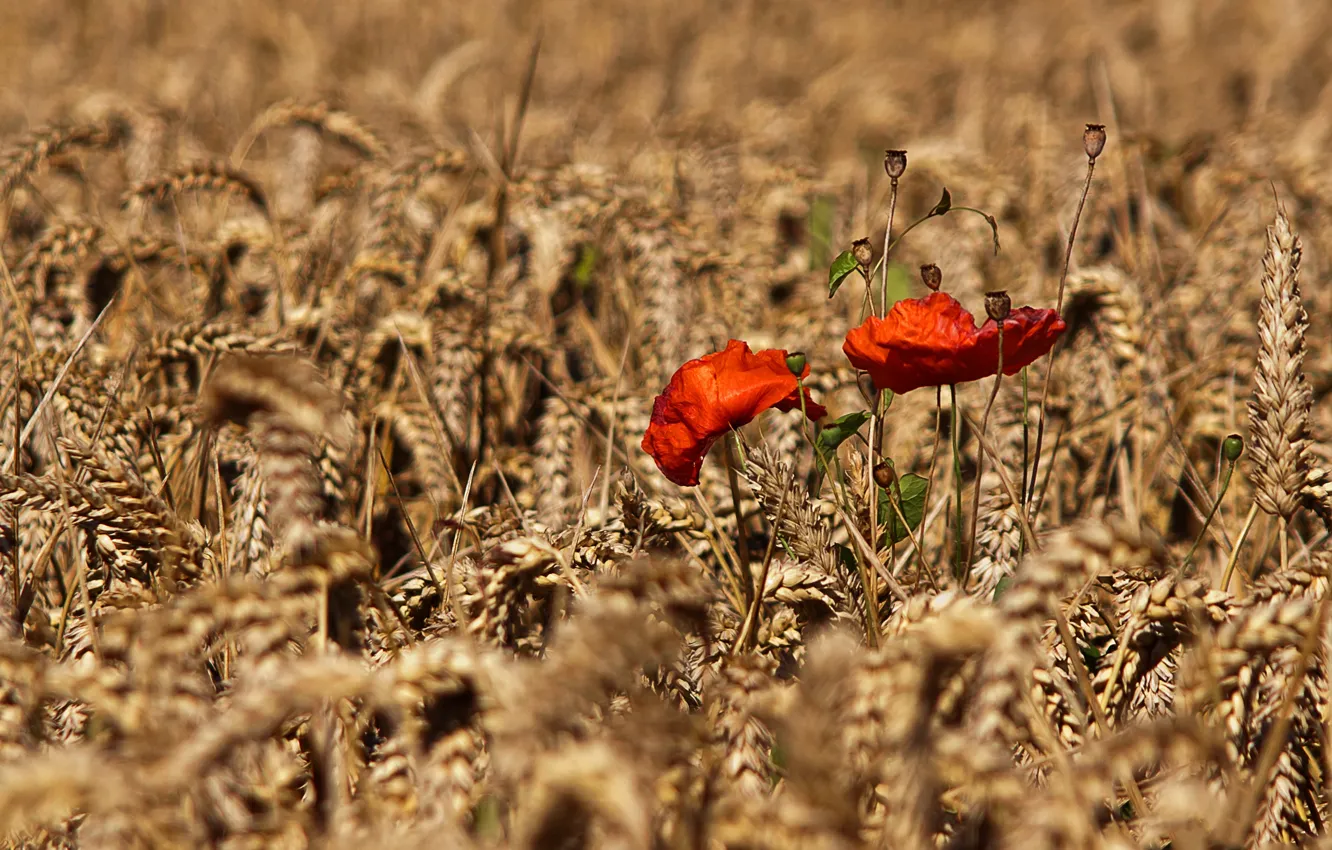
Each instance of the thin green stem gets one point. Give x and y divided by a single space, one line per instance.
880 265
934 453
1026 449
742 534
959 568
1059 306
887 247
980 461
1216 504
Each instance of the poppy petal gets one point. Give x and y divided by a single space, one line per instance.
932 341
712 395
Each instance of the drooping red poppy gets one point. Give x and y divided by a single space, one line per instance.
931 341
712 395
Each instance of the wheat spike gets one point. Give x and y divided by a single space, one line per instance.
1279 410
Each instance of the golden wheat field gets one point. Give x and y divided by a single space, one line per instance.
429 424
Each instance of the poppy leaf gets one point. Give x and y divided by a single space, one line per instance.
837 432
912 489
837 273
945 204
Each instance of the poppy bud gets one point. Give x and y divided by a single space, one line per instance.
795 361
884 475
998 305
865 384
1093 140
1232 447
932 276
863 252
894 162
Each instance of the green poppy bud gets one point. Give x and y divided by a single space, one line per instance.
1232 447
795 361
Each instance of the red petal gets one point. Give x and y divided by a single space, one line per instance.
712 395
931 341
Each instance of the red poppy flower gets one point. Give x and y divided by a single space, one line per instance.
931 341
712 395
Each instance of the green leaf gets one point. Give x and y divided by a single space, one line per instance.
837 432
841 267
1001 587
912 488
945 204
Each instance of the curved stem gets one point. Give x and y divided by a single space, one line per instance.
742 533
959 569
1207 523
934 453
980 461
1059 306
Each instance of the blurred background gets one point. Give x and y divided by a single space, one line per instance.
824 81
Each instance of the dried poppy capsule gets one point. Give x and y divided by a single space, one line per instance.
863 252
894 162
715 394
932 276
1093 140
998 305
932 341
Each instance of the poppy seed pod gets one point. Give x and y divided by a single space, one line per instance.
1093 140
998 305
894 162
932 276
884 475
1232 447
863 252
795 362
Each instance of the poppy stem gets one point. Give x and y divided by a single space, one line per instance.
934 454
1054 350
742 533
1207 523
887 247
959 568
980 459
868 577
1026 448
751 622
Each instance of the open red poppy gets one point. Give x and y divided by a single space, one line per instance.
712 395
931 341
